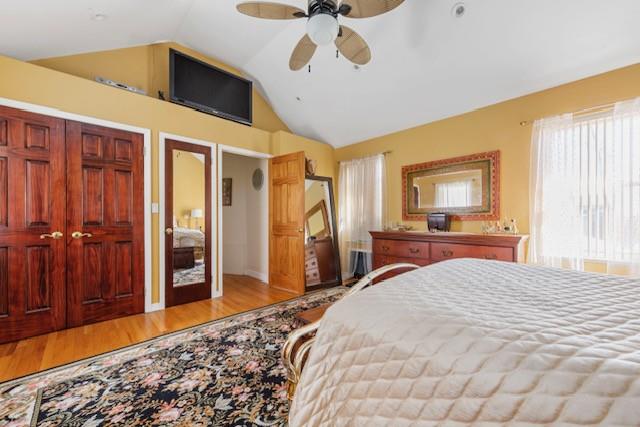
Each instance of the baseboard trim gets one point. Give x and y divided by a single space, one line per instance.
155 307
257 275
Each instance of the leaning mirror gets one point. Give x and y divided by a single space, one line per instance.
467 188
322 259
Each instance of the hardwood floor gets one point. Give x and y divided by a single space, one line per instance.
31 355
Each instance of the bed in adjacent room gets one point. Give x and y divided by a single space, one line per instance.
477 342
187 237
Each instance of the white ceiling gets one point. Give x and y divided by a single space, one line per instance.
426 64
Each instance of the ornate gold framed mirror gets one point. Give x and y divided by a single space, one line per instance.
467 188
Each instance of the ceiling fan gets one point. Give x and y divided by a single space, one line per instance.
322 25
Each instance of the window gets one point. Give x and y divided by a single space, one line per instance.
453 194
585 188
362 206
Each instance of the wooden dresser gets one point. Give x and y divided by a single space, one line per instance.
424 248
319 265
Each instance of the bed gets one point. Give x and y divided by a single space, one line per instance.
187 238
474 342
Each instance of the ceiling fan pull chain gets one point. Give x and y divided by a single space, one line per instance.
337 54
309 68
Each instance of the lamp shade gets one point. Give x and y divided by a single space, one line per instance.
322 29
196 213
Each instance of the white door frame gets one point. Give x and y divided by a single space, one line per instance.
163 136
242 152
146 133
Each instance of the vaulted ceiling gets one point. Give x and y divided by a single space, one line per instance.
427 65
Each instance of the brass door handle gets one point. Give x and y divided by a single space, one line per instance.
56 235
80 235
169 231
447 253
414 250
300 230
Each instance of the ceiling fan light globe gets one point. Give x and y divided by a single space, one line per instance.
322 29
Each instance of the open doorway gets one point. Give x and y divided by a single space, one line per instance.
244 218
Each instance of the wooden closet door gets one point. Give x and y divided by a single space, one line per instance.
32 208
105 223
286 222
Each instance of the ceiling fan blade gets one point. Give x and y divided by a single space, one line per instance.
352 46
268 10
367 8
302 53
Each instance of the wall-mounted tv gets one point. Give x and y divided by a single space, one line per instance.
209 89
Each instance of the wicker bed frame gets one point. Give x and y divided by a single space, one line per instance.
296 347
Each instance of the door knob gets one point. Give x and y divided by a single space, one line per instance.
169 231
80 235
300 230
55 235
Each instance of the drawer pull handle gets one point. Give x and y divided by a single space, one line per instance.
385 248
414 250
491 256
447 253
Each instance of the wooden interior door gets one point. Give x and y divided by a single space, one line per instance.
198 285
105 223
32 220
286 222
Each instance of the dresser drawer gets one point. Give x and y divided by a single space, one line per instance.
403 249
312 277
444 251
382 260
311 263
310 253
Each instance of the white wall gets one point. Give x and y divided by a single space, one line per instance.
258 225
245 239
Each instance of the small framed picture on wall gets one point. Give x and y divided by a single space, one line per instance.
227 188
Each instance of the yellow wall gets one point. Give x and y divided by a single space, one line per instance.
493 128
323 154
147 68
34 84
108 64
189 188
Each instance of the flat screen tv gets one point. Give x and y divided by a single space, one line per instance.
211 90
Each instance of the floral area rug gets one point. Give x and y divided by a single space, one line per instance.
187 276
224 373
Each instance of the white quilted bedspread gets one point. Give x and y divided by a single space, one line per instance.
471 342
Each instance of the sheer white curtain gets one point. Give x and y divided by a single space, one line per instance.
453 194
362 204
585 190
